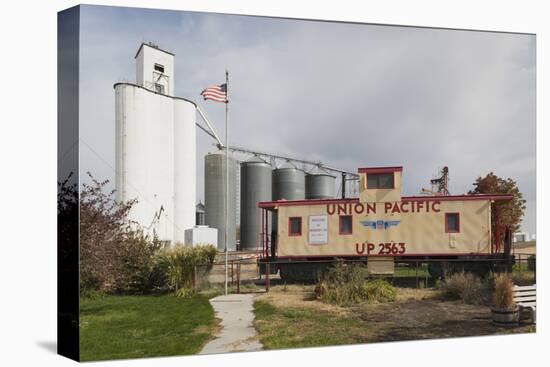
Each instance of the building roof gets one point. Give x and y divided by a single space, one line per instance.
271 204
152 46
152 91
380 169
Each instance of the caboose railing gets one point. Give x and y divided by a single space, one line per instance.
264 233
266 240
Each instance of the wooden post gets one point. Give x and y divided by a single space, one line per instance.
417 274
267 271
239 278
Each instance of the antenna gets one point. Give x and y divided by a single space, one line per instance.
440 185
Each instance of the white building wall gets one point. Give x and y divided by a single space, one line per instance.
155 159
201 235
146 75
185 170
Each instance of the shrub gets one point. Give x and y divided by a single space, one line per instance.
523 278
159 278
464 286
136 252
343 274
348 284
91 294
320 290
115 253
503 297
184 266
185 293
379 291
342 284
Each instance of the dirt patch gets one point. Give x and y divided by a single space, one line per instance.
407 294
299 296
417 314
414 319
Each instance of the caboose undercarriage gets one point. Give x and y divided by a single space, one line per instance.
312 269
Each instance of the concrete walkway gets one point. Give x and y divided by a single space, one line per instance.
237 333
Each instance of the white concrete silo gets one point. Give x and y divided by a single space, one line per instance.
156 147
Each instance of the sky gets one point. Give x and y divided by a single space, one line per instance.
349 95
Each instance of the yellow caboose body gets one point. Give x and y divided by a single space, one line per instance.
380 225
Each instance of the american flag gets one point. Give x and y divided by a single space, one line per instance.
216 93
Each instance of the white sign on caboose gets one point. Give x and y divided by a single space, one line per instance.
318 230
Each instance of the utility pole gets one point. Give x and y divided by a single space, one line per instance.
226 174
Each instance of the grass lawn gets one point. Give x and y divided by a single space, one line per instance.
411 271
114 327
281 328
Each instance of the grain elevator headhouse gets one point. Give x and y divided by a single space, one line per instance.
156 147
155 69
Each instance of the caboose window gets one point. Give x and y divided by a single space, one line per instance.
452 222
295 226
380 181
346 224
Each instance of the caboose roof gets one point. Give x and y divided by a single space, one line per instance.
380 169
271 204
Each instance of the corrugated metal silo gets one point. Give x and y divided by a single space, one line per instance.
288 183
255 187
320 186
214 198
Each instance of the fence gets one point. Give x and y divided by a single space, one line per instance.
525 262
417 273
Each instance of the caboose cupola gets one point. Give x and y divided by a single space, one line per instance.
380 184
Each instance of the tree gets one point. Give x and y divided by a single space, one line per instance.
115 254
67 224
505 212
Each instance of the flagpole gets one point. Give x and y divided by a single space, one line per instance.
226 172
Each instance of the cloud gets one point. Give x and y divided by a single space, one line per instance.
346 94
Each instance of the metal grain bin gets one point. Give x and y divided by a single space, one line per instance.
255 187
320 186
214 198
289 183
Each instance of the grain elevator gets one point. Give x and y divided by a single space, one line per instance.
155 147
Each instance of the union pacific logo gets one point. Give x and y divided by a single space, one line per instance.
379 224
